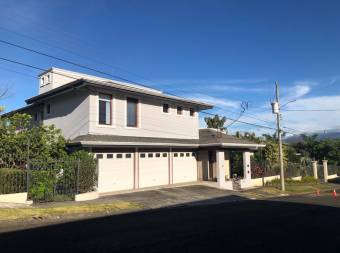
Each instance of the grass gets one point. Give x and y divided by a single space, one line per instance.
302 188
10 214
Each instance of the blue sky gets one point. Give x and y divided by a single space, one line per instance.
223 52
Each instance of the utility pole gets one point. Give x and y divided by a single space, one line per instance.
276 110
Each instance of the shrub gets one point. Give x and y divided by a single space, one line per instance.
288 181
12 181
41 185
309 180
87 177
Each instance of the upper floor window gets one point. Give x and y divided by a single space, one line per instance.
179 110
36 116
131 112
166 108
42 81
48 78
192 112
104 109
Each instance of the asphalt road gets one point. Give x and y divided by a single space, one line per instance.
249 225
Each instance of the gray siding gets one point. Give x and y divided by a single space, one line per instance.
69 113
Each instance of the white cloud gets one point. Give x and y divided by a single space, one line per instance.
300 89
309 121
333 80
212 81
219 102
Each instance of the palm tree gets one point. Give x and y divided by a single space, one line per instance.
215 122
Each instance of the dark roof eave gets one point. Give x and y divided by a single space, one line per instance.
61 89
76 83
169 144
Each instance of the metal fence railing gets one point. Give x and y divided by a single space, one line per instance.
333 169
12 181
291 170
50 181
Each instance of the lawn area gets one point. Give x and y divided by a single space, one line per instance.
11 214
302 188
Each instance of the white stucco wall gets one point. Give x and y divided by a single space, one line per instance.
152 121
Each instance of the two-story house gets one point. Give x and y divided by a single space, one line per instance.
141 136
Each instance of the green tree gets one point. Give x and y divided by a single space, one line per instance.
20 141
215 122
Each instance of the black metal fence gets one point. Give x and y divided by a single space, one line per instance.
259 170
333 169
50 181
12 181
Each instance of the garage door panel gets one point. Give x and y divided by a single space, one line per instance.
153 171
115 174
184 168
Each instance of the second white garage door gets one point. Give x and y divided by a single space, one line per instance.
153 169
115 172
184 167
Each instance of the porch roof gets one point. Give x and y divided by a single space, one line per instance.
207 138
213 138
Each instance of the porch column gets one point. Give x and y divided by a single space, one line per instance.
315 169
227 164
220 170
246 165
325 170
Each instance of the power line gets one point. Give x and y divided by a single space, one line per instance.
77 54
70 62
312 110
234 120
247 123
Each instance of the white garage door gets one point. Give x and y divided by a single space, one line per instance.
153 169
115 172
184 167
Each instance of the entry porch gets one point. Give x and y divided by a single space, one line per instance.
219 166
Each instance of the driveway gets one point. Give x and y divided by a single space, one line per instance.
169 197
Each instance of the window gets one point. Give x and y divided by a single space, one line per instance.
193 154
42 81
192 112
48 108
175 154
166 108
150 155
187 154
104 109
128 156
41 115
179 110
132 114
99 156
165 154
158 155
36 116
48 78
119 156
142 155
182 154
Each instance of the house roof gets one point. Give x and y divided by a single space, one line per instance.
116 86
207 138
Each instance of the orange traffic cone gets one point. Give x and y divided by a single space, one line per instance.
334 193
317 192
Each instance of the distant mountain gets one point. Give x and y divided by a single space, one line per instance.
329 134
